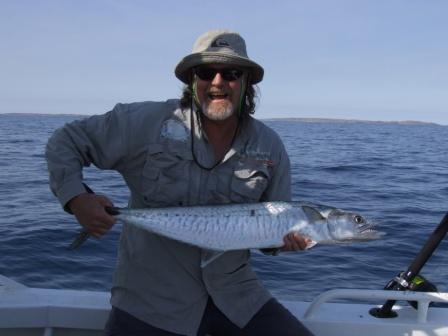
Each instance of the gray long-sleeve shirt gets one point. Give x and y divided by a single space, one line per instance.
159 280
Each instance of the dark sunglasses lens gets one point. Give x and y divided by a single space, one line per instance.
208 74
231 74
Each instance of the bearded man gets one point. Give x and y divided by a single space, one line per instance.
202 149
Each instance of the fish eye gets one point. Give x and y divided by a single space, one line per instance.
358 219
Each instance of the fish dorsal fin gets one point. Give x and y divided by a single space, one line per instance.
312 213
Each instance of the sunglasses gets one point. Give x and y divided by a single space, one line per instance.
208 73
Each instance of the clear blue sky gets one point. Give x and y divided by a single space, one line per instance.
362 59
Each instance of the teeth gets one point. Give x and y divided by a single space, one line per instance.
217 94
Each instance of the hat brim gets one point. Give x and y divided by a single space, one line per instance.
182 70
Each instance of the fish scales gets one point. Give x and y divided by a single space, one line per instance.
254 225
228 227
245 226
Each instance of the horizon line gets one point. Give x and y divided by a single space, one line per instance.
302 119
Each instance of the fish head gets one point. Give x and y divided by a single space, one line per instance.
348 226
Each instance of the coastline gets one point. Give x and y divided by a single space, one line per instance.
285 119
354 121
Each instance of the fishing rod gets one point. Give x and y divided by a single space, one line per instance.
411 280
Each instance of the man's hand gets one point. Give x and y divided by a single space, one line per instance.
90 213
295 242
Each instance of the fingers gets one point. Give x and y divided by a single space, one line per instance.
99 225
104 201
106 219
295 242
91 214
100 221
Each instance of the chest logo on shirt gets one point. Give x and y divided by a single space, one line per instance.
258 157
174 130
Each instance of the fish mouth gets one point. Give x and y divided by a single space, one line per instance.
368 232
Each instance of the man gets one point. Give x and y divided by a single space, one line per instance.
203 149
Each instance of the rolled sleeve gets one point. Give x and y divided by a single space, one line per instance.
97 140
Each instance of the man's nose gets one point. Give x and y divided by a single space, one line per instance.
217 80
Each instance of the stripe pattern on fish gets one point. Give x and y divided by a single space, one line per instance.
250 226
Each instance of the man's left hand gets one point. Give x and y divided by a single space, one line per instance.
295 242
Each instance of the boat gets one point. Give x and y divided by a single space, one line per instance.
343 312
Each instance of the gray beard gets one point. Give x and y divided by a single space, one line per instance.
217 113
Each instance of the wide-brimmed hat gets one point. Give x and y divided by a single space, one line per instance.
219 47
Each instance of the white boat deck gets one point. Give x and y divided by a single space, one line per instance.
49 312
56 312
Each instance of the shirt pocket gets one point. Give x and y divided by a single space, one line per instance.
248 183
165 176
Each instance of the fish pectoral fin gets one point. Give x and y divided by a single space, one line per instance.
311 244
312 213
207 256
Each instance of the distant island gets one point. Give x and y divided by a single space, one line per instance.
302 120
351 121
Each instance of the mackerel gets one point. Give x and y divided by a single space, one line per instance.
251 225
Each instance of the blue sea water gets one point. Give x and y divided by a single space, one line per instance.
394 174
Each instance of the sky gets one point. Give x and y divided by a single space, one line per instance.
353 59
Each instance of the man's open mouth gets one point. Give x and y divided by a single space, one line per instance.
217 95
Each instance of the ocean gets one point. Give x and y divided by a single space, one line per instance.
394 174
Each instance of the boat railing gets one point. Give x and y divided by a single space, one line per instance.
423 299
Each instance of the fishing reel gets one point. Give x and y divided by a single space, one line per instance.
417 284
411 280
404 281
421 284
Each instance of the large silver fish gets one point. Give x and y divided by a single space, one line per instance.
250 226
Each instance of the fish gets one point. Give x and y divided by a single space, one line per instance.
261 225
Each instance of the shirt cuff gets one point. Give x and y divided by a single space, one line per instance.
271 251
69 190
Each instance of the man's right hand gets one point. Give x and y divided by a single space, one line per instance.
90 213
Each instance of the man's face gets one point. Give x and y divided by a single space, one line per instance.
218 89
